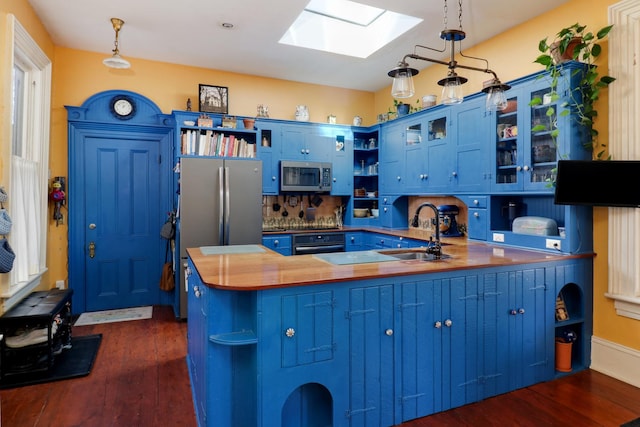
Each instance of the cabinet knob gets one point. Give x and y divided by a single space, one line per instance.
437 325
306 151
513 312
518 168
526 167
353 239
448 323
290 332
276 242
521 311
476 214
389 332
398 177
476 202
273 178
334 180
384 210
196 292
454 174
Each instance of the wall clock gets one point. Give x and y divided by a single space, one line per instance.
123 107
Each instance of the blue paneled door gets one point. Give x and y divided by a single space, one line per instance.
122 217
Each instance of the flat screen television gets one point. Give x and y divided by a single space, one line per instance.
598 183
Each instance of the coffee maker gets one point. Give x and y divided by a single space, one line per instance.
448 223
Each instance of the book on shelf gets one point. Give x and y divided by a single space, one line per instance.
561 309
211 143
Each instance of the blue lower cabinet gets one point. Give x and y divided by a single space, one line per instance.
382 351
355 241
280 243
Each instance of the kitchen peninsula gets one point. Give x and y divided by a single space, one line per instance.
358 340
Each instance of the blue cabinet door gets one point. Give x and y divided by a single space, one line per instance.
371 356
306 142
439 152
197 312
269 134
341 139
355 241
471 146
392 170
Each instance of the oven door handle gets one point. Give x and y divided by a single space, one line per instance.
318 249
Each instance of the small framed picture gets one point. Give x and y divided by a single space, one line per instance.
214 99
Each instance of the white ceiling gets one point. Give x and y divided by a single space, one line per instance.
189 32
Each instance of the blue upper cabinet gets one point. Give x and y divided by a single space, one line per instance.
392 169
269 142
470 147
341 140
305 142
526 150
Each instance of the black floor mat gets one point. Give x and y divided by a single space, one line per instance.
71 363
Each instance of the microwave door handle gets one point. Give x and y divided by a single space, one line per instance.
220 206
227 208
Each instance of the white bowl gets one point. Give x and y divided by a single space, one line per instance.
374 213
360 213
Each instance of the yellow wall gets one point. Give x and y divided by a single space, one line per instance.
78 75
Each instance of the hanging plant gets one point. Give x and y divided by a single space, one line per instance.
576 43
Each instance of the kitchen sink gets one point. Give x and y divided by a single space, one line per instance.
419 255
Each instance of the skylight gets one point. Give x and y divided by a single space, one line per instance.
346 27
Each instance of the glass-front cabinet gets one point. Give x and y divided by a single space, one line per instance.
534 132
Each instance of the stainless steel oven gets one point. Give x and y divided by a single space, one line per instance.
318 243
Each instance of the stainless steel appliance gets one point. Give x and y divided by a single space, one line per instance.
220 204
318 243
305 176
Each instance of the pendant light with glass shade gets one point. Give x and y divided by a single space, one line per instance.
452 92
116 61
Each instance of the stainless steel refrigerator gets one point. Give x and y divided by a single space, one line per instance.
220 204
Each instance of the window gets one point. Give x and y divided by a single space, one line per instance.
30 117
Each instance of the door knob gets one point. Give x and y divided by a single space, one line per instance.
92 249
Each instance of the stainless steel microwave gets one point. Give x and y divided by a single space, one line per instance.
305 176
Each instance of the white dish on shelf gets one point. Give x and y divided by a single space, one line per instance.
189 123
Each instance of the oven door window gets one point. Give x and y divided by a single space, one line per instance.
301 176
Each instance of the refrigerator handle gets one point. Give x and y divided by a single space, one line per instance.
221 206
227 219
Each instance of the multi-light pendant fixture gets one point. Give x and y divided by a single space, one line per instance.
452 84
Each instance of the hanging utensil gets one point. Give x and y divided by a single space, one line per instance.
301 213
284 207
276 206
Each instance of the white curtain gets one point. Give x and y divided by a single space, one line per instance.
25 238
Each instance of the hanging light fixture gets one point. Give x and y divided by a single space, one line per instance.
452 84
116 61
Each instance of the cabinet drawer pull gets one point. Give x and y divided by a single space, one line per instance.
290 332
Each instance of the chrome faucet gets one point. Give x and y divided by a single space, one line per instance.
434 248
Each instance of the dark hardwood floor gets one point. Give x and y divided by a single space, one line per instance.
140 379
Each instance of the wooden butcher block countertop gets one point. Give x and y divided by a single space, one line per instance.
255 267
